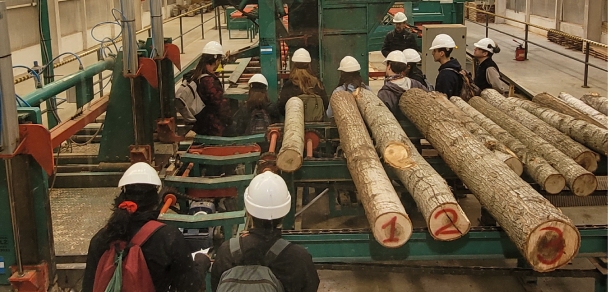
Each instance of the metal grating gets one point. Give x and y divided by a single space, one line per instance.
575 201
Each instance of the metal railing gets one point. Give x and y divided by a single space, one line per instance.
525 39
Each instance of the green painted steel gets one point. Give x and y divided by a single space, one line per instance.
30 114
84 92
7 244
269 52
220 160
241 140
204 183
47 56
204 221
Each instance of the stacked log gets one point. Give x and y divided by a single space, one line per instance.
290 157
557 104
581 154
580 181
545 237
584 108
548 178
599 103
445 218
387 217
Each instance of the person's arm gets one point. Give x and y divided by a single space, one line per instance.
444 84
94 254
493 77
222 263
185 275
312 281
385 49
213 89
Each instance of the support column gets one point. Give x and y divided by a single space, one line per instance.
82 12
47 56
268 45
137 4
500 10
558 13
55 26
528 10
592 25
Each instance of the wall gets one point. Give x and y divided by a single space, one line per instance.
571 28
541 21
517 16
23 27
70 18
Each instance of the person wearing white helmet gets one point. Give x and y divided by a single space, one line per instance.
400 38
350 78
487 73
267 202
258 112
216 115
413 71
166 252
302 82
449 79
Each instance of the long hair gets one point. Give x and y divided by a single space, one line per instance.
257 97
352 78
206 59
303 76
120 225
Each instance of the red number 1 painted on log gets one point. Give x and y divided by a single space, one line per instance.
557 243
392 224
453 220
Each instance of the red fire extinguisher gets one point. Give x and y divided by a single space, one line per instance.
519 52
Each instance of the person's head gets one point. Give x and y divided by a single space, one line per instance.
211 57
350 72
396 63
441 48
400 21
412 57
485 48
301 73
257 94
267 200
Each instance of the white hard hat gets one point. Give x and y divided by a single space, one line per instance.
443 41
258 78
411 55
486 44
212 48
399 17
267 197
302 56
349 64
140 173
395 56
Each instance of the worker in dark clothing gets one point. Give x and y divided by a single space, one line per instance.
449 81
488 73
167 255
413 72
257 103
301 81
267 200
400 38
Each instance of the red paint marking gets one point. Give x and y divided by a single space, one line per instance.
557 241
392 224
454 219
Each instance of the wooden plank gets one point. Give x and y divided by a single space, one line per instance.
243 63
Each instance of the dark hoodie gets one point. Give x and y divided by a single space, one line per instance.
449 81
391 92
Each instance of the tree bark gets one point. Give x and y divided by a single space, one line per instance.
290 157
581 154
580 181
390 139
387 217
588 134
559 105
500 150
545 237
583 108
599 103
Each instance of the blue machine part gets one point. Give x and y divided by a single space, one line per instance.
2 270
266 50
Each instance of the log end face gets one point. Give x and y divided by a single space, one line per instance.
552 245
554 184
448 222
289 160
588 160
515 164
584 185
398 155
392 230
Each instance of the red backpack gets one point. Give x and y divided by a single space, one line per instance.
133 270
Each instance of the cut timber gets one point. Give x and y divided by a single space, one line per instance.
387 217
584 108
545 237
580 181
559 105
445 218
599 103
548 178
581 154
588 134
500 150
390 139
290 157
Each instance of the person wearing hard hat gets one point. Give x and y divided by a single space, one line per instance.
267 201
350 78
400 38
396 83
216 115
487 73
413 59
258 112
302 81
449 79
167 255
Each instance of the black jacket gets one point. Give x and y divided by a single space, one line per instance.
290 90
293 266
448 81
480 78
167 256
399 41
241 119
418 75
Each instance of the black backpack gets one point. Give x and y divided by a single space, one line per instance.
469 89
259 121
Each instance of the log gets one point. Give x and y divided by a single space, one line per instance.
599 103
290 157
444 217
386 215
581 154
500 150
546 238
580 181
390 139
588 134
557 104
548 178
584 108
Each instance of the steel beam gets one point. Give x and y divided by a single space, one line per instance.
220 160
68 128
204 221
204 183
87 180
241 140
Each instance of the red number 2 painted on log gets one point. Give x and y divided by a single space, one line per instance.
453 219
392 224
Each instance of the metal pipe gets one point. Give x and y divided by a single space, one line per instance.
309 148
11 199
272 142
527 29
156 24
170 200
9 134
130 45
219 25
486 25
181 38
587 47
202 22
188 169
312 202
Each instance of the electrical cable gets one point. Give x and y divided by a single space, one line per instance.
30 71
81 67
90 139
19 99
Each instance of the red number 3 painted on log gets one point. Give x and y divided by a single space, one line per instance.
453 219
392 224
